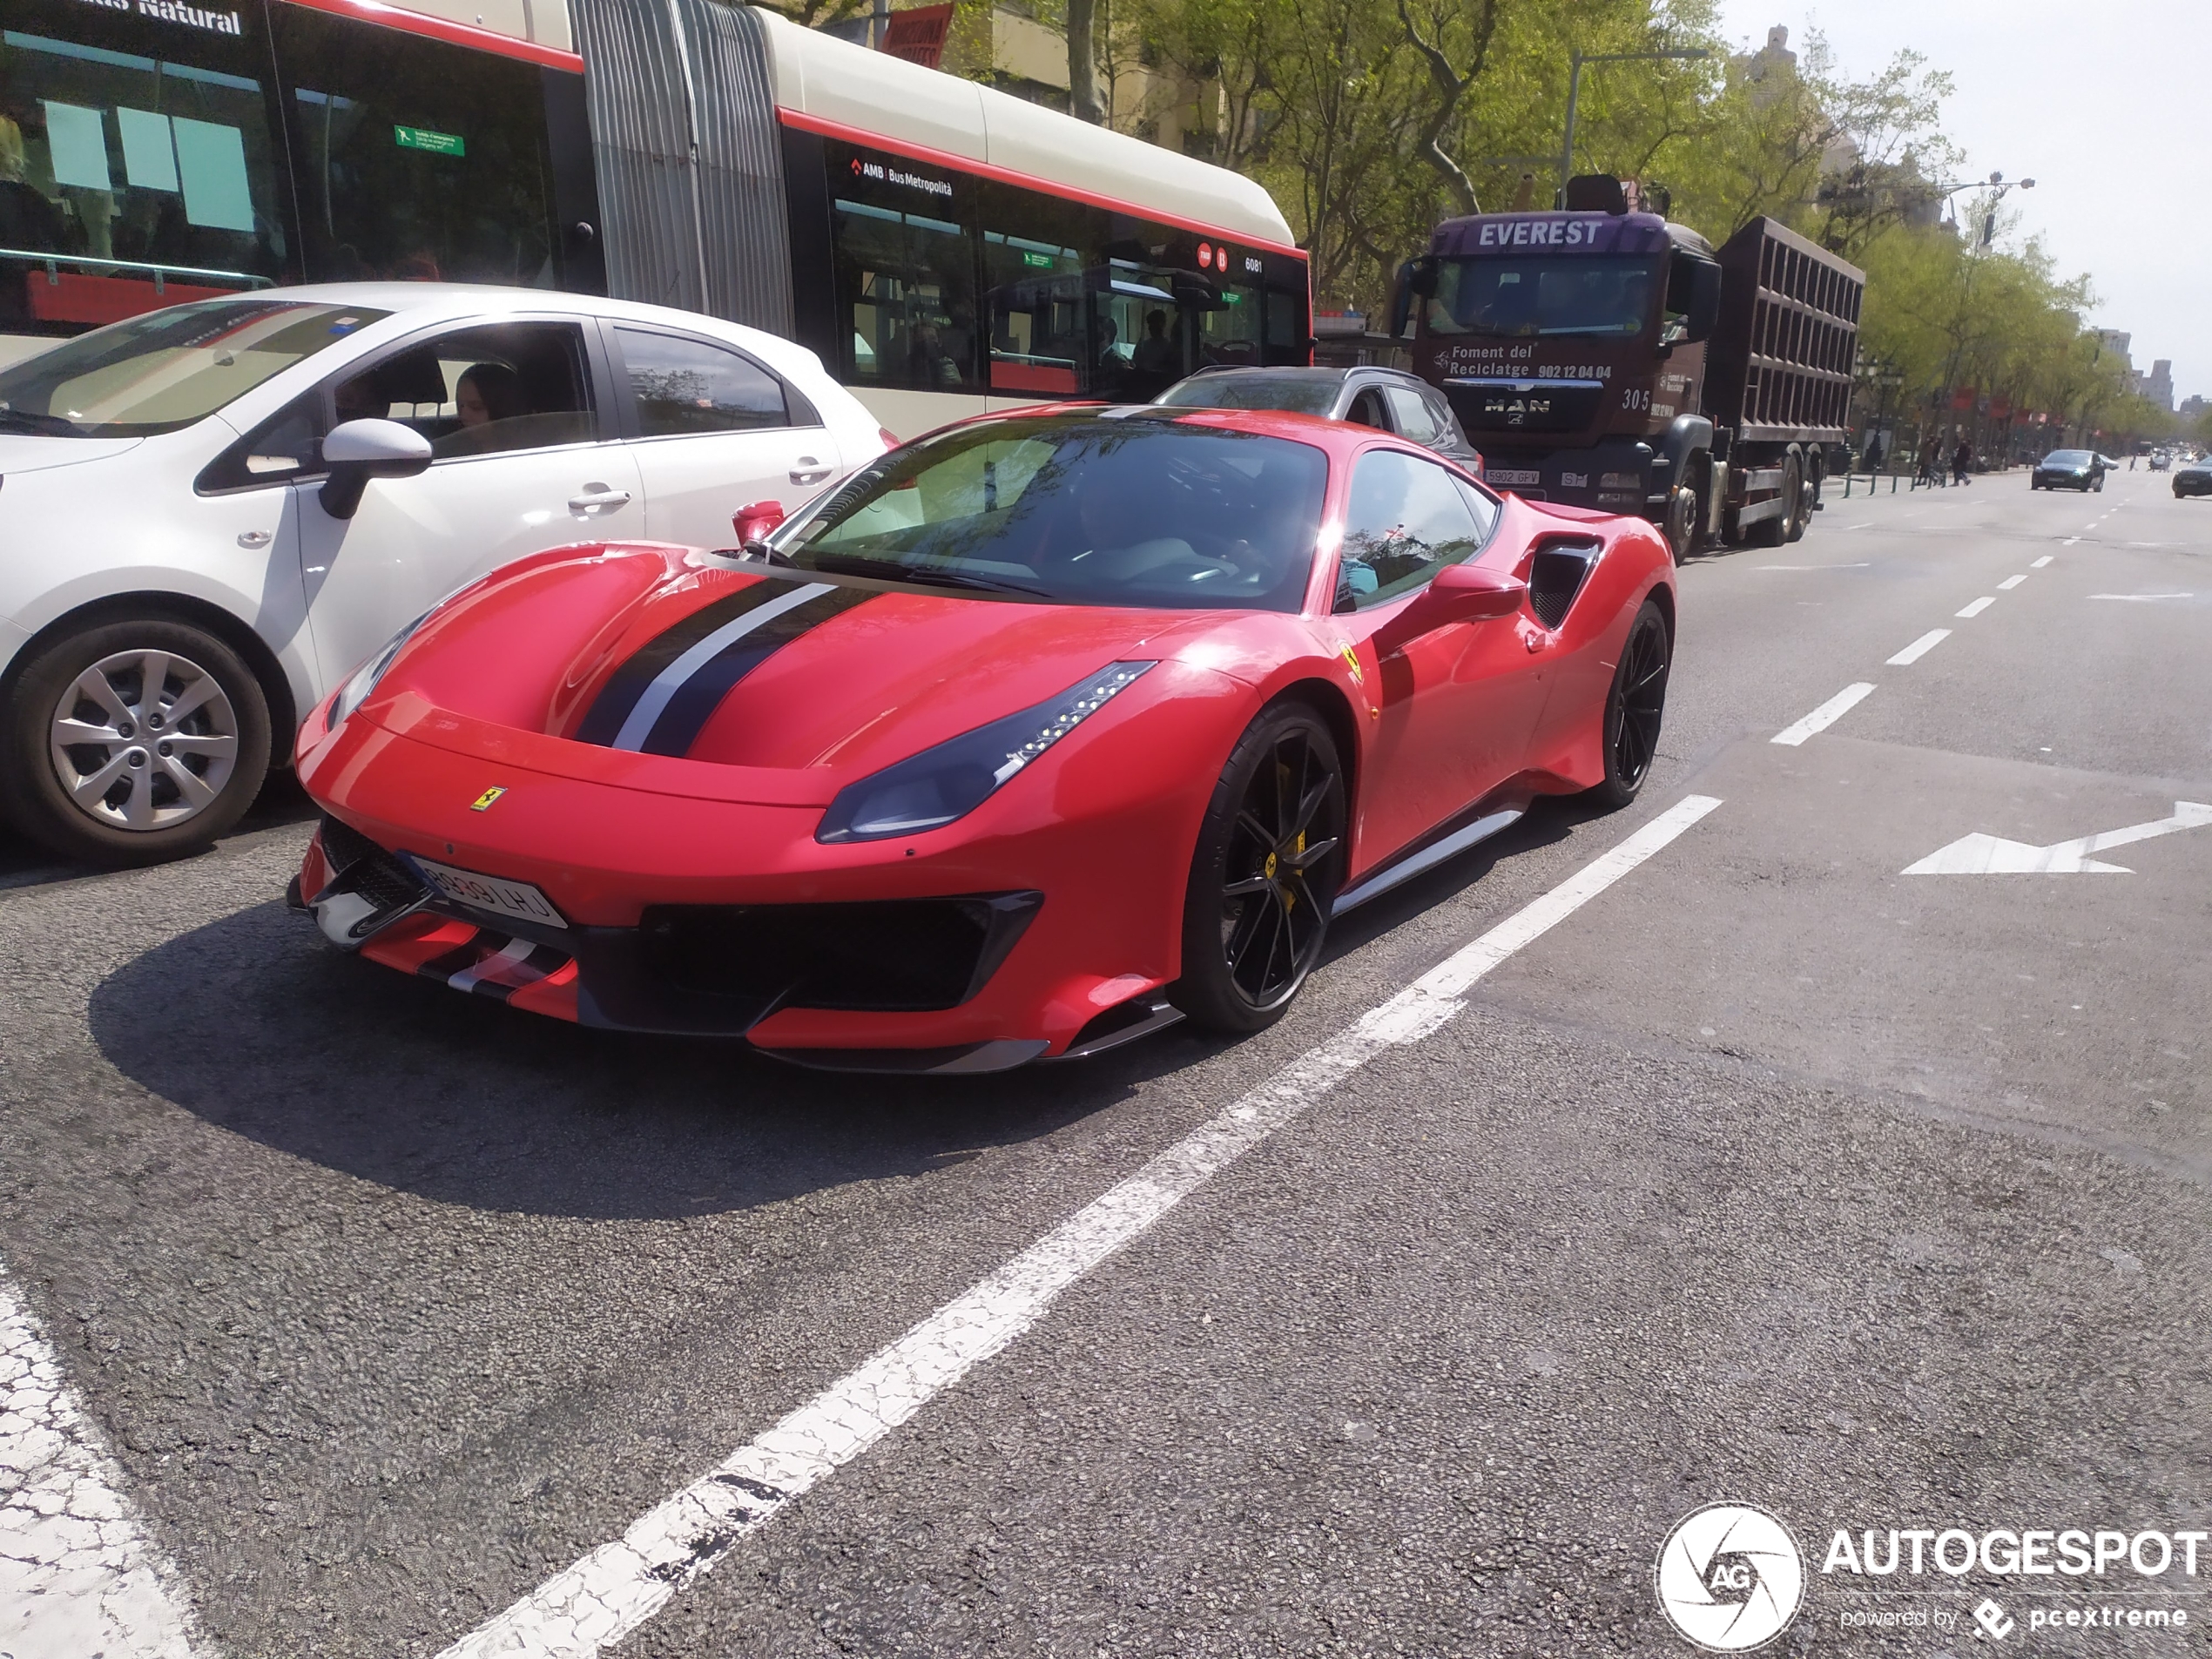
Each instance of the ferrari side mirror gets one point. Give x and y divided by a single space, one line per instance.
1457 593
752 524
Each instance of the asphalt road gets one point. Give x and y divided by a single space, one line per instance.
1772 1175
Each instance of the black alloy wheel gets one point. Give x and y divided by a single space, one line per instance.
1634 709
1265 876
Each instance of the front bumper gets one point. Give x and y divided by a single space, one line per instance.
1043 924
1614 476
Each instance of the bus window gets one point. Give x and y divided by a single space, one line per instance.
418 160
140 153
1228 329
903 259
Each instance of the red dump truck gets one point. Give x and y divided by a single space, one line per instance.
1612 359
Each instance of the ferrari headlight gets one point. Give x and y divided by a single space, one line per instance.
356 689
932 788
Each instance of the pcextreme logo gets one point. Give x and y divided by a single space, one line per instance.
1730 1577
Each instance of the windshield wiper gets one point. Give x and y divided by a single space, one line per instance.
923 576
49 426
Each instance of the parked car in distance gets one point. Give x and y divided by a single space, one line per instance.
1035 735
2194 478
213 513
1389 400
2069 469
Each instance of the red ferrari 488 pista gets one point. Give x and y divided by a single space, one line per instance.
1035 735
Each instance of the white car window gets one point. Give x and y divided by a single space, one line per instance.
489 389
680 386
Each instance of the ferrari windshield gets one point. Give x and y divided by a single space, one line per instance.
1080 510
167 369
1589 295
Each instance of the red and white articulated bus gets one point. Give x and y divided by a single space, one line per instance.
946 248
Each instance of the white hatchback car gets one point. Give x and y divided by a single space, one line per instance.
209 515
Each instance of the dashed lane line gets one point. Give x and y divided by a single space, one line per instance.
2071 540
77 1576
2011 582
1919 648
610 1592
1978 606
1825 716
2040 562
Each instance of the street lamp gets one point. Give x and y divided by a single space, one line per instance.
1996 185
1573 92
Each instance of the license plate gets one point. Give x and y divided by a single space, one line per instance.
1506 477
495 894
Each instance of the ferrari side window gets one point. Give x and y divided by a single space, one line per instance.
1405 521
1484 507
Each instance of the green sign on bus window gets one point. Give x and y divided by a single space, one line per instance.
438 144
1042 260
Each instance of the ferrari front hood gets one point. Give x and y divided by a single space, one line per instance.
784 672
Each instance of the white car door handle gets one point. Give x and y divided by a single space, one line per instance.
597 495
808 470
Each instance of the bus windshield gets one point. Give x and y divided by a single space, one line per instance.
1081 510
1555 295
158 372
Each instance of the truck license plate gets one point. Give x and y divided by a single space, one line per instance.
517 899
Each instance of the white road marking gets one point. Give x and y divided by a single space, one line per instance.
1919 648
2071 540
2040 562
2142 598
1864 564
1980 854
599 1600
77 1578
2012 581
1824 716
1978 606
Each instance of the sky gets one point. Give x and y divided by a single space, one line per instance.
2104 104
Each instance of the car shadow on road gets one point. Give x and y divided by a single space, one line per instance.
401 1083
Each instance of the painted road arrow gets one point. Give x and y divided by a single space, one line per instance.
1980 854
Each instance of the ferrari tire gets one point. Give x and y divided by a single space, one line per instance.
1635 708
133 742
1264 875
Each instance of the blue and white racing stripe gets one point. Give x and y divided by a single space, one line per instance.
659 701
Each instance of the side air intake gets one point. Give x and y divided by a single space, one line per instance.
1558 571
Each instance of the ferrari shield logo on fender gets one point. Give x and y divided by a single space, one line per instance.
483 802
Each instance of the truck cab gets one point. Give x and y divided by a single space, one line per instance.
1571 346
1611 359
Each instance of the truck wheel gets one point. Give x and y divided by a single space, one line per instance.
130 743
1772 532
1802 517
1681 528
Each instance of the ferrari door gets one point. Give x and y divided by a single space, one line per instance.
532 472
1458 703
713 431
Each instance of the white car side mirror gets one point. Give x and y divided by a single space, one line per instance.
357 451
